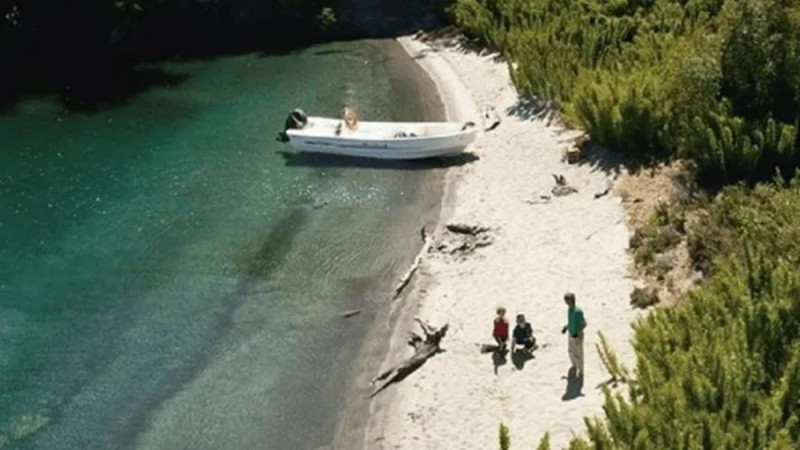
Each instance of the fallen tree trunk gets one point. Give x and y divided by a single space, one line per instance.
423 350
405 279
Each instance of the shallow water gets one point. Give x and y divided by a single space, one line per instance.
169 280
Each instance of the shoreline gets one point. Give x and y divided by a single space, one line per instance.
392 315
386 341
282 275
539 251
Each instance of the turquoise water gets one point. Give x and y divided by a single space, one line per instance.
169 280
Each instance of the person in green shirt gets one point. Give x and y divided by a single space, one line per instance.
575 326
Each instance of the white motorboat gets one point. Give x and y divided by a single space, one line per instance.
382 140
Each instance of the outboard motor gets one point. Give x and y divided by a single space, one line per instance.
297 120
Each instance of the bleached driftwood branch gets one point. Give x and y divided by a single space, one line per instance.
405 279
423 350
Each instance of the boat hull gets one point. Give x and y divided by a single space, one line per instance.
368 145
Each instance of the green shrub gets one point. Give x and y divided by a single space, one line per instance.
714 81
764 216
717 371
722 368
505 440
544 443
644 297
663 232
326 18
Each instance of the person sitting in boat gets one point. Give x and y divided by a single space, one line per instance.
350 118
523 335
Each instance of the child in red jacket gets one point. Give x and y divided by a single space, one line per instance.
500 332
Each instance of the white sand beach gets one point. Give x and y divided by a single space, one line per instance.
539 250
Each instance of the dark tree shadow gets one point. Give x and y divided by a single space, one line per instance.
532 109
615 163
267 250
592 155
84 89
308 159
452 38
612 383
574 386
607 161
91 94
99 63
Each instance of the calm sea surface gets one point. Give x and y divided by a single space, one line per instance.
169 280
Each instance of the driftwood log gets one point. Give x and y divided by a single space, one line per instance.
463 239
405 279
423 350
349 313
608 187
562 188
602 193
490 114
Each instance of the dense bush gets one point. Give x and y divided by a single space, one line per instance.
765 216
722 368
714 81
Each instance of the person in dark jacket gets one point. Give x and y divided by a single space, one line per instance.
523 335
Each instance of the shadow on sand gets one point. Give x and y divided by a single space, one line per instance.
594 156
534 109
521 356
452 38
306 159
499 358
614 163
574 386
400 376
498 354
